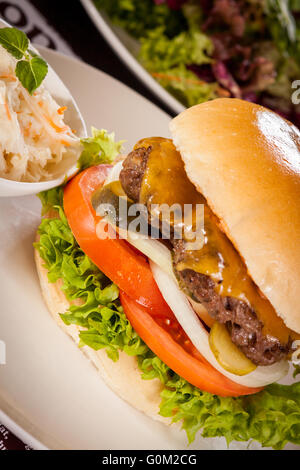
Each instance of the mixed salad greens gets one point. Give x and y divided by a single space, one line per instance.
203 49
271 417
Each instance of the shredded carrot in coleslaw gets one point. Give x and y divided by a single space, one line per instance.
8 77
27 129
55 126
7 111
62 109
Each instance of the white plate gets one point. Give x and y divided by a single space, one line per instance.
126 48
50 395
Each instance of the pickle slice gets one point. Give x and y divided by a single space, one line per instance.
111 202
229 356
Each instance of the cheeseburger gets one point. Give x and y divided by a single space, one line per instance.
182 330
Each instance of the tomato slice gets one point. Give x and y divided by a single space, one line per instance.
121 263
172 352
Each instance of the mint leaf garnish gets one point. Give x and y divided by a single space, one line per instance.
31 73
31 69
14 41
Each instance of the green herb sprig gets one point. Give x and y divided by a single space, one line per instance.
31 69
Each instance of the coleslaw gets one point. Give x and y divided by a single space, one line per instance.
33 135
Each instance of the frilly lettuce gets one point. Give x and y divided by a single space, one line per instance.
185 86
169 40
271 417
51 198
283 26
100 148
159 53
165 59
138 17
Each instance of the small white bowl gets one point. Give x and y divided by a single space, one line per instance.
73 118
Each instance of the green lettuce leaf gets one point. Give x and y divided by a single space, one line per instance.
50 198
159 53
169 40
139 17
296 370
166 60
283 26
185 86
271 417
100 148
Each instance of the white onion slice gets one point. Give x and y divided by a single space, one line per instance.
154 250
114 173
188 319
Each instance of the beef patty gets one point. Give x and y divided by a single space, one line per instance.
240 319
134 167
245 328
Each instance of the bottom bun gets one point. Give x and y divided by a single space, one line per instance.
123 376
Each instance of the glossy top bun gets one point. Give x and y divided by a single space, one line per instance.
245 159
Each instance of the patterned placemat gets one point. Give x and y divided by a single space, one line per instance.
9 441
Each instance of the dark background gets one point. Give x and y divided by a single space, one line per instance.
70 20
